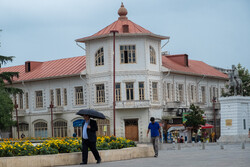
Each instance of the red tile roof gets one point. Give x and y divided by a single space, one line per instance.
118 26
74 66
194 67
50 69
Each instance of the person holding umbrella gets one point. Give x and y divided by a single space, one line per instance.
89 128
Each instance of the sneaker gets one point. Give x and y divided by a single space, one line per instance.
155 156
83 163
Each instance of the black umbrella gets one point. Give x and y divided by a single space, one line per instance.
92 113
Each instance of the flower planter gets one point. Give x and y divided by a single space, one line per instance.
140 151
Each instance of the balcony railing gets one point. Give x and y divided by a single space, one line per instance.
174 104
200 104
20 112
56 110
132 104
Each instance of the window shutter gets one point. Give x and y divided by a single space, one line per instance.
195 94
177 92
211 94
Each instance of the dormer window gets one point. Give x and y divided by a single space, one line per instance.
127 54
99 57
152 55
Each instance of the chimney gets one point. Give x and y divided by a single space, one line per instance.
179 59
31 65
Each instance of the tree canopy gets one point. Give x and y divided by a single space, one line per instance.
195 118
6 107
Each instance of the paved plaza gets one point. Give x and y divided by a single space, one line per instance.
190 156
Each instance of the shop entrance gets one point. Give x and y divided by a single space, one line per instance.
131 129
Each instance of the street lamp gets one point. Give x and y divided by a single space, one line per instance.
51 106
114 31
214 101
16 106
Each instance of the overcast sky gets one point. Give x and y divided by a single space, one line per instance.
216 32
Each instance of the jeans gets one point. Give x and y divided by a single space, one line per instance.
155 141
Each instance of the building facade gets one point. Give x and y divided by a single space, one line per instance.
147 83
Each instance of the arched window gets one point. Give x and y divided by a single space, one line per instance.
103 127
41 129
60 129
99 57
152 55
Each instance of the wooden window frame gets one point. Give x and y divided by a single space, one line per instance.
128 54
155 91
168 91
100 93
58 97
79 95
65 99
152 55
52 98
27 100
203 94
99 57
129 91
20 100
60 128
141 91
41 126
181 92
117 92
39 99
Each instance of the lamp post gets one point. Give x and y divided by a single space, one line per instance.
16 106
214 101
114 31
51 106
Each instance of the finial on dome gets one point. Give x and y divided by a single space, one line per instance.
122 12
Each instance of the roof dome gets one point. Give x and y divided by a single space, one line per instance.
122 12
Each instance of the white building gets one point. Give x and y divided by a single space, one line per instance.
147 84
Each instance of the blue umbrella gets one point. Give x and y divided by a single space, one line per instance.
92 113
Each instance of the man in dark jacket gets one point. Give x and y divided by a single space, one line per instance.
89 129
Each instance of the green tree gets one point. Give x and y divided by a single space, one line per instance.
194 118
245 77
7 77
6 107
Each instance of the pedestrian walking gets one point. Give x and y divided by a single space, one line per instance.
154 127
89 139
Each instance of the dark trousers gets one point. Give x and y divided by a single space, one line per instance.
92 146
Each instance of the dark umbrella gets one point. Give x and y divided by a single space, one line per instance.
92 113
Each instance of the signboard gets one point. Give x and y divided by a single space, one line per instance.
228 122
78 123
184 117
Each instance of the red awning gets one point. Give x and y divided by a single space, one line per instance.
206 126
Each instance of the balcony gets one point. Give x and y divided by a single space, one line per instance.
132 104
174 104
200 104
20 113
57 110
